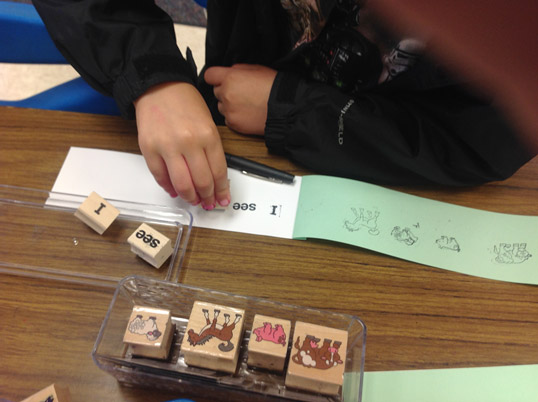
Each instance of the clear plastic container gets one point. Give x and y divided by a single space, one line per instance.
30 218
247 384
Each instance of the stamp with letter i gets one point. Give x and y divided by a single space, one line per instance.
317 359
149 332
213 337
268 344
150 245
97 213
53 393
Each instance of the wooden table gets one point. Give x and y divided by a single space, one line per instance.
417 316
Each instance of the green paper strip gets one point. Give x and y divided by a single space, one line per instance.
484 384
466 240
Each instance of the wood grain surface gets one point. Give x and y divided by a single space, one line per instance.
416 316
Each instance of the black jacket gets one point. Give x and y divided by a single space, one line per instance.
419 128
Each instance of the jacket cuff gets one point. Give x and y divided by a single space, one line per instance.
149 71
280 110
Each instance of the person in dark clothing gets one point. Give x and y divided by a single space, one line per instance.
322 81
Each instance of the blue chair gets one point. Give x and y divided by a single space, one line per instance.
24 39
181 400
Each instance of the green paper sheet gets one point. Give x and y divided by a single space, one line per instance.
484 384
466 240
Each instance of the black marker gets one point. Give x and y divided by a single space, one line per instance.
256 169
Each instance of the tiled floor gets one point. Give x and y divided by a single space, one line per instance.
21 81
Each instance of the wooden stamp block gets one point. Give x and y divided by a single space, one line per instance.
51 393
97 213
150 245
149 332
268 344
217 207
317 359
213 337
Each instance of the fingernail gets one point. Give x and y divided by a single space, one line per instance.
224 203
196 201
208 207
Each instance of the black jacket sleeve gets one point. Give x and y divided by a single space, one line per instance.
392 134
120 47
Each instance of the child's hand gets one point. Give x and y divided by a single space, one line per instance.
242 92
181 144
